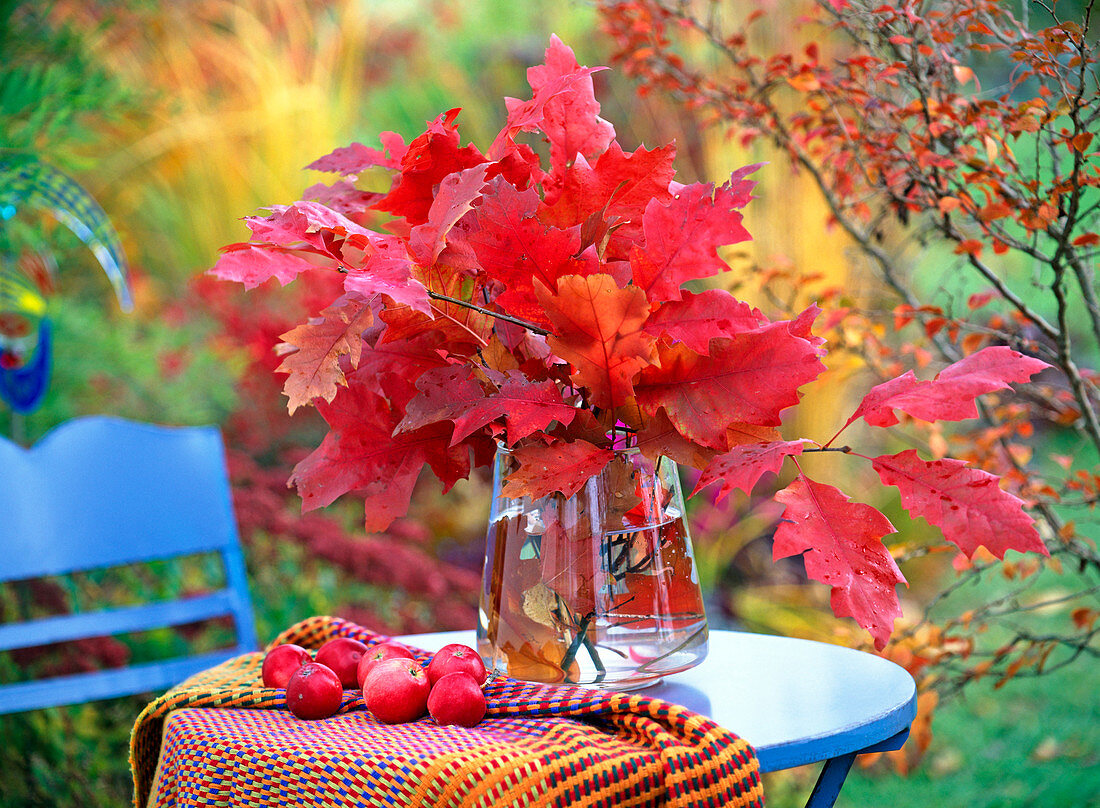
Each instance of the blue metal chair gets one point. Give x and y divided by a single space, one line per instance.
102 492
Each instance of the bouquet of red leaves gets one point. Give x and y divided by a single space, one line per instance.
542 306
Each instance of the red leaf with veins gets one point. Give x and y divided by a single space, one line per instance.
744 465
356 158
429 158
842 545
454 199
623 183
554 91
342 197
697 318
380 265
659 438
514 249
449 393
598 330
682 238
252 264
313 366
390 369
967 504
527 408
950 396
749 377
361 453
571 119
307 222
563 467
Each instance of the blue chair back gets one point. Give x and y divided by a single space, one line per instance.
101 492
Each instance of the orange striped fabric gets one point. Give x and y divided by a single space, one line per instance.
539 745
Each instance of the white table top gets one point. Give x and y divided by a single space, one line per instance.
795 701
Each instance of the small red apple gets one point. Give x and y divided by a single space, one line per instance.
456 698
453 658
396 691
343 655
379 653
281 661
314 691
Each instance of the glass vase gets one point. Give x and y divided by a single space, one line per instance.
599 588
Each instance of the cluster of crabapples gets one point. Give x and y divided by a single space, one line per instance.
396 689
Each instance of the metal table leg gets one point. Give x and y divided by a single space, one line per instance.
835 771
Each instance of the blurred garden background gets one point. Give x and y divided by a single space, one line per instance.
182 118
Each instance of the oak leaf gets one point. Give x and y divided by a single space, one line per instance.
841 543
743 466
514 248
696 318
560 467
354 159
313 365
454 199
950 396
449 393
361 453
428 160
965 503
570 118
252 264
598 329
619 186
682 238
749 377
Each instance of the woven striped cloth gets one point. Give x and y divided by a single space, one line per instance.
539 745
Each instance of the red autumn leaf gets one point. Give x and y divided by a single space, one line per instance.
738 434
356 158
619 186
950 396
527 407
682 238
842 545
464 329
281 242
307 222
965 503
749 377
598 330
379 264
560 467
801 326
390 369
314 363
514 248
570 118
744 465
556 88
448 393
429 159
696 318
342 197
360 453
443 393
454 199
252 264
657 437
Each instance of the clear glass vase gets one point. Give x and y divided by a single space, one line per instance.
600 588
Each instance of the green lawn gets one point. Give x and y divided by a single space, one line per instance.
1034 742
